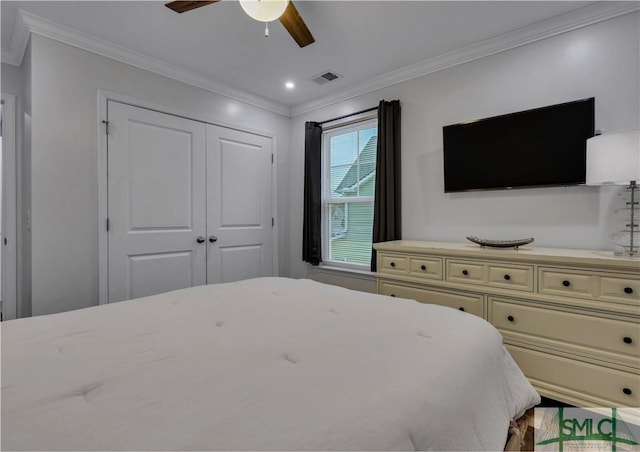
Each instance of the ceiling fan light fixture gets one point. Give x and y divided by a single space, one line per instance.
264 10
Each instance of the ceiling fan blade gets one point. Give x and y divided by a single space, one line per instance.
296 27
182 6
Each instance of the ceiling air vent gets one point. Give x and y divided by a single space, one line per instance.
326 77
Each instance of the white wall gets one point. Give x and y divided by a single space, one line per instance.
349 280
601 60
60 256
64 162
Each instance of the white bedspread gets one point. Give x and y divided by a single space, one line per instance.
265 364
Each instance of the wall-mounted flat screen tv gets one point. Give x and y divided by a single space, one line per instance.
540 147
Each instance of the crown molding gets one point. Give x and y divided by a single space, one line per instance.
573 20
9 58
66 35
18 43
27 23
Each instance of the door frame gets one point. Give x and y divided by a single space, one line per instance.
9 212
103 238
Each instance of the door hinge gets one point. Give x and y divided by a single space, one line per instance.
106 126
273 222
271 158
107 224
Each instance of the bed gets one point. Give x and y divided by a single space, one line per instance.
261 364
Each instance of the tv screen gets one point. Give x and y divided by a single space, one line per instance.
540 147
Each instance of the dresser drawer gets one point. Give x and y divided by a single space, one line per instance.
471 303
426 268
465 272
586 332
393 264
620 289
504 276
571 283
600 385
511 277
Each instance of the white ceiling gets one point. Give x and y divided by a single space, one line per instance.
360 40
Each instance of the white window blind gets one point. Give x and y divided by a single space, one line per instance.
349 167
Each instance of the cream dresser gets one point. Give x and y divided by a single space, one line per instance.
570 318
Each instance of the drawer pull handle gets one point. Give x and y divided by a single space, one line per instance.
510 318
461 309
627 391
465 272
507 277
566 283
423 267
628 290
392 295
393 264
627 340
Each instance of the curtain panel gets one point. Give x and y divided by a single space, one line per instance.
311 227
387 218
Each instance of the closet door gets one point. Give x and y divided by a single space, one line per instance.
239 216
156 202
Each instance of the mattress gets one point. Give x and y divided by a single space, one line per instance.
262 364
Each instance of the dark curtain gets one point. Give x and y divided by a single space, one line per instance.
386 209
311 232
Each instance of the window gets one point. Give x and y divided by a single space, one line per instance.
349 174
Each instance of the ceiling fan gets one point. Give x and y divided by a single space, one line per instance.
290 18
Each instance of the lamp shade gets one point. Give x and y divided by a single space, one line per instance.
264 10
613 158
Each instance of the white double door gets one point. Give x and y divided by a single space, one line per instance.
189 203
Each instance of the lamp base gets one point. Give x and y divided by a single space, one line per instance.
629 237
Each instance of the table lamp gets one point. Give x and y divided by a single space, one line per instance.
615 159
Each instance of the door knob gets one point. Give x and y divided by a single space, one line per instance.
213 239
200 239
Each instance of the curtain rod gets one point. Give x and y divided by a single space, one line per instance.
351 114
